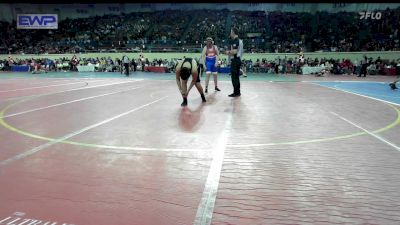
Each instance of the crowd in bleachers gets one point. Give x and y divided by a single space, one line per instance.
169 25
333 66
207 23
347 32
289 31
261 32
278 65
102 64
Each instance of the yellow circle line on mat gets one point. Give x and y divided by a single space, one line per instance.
380 130
16 130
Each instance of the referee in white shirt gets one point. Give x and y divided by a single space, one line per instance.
236 53
125 60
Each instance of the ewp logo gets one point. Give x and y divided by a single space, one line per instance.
372 15
37 21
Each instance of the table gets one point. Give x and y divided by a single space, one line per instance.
86 68
312 69
155 69
390 71
20 68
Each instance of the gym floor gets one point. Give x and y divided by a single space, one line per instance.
104 149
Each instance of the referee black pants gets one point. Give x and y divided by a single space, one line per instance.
363 70
235 72
126 65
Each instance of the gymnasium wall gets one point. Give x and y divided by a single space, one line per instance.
269 56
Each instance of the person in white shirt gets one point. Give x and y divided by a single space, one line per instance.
125 60
235 55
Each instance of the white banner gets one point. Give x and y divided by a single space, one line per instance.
37 21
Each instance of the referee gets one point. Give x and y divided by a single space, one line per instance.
236 54
125 60
364 65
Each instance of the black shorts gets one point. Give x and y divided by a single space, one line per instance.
186 78
185 74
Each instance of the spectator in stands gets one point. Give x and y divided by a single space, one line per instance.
10 61
336 69
95 33
119 65
344 66
38 67
159 62
142 61
398 67
73 63
243 68
256 66
2 65
328 66
284 65
48 64
103 65
134 65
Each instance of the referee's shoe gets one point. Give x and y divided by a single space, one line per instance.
234 95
